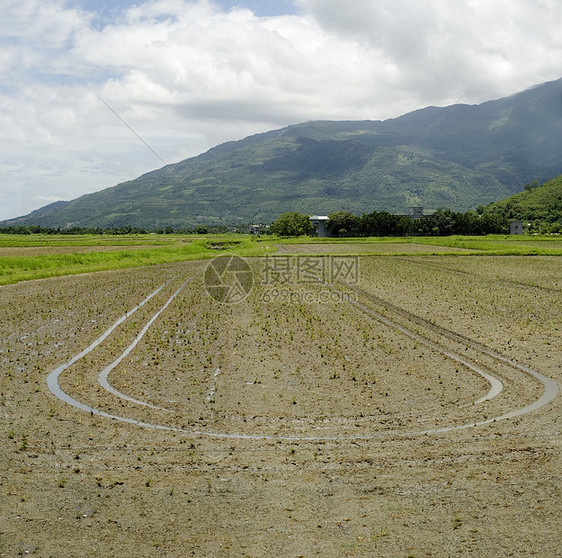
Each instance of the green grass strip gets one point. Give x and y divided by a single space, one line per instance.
14 269
143 250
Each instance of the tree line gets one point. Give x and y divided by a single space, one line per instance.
126 230
443 222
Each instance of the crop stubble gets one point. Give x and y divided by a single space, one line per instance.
81 482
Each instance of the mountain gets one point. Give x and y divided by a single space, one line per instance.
536 203
458 157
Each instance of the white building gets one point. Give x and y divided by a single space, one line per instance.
320 224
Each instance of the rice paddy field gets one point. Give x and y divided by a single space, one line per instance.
168 396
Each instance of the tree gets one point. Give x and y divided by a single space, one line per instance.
292 224
384 223
443 222
494 224
343 223
532 186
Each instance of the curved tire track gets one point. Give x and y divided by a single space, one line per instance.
550 387
548 384
496 386
103 375
549 392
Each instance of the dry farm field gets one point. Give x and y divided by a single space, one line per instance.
335 405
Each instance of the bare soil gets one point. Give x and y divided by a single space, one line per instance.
301 425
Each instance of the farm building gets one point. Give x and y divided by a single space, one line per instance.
320 225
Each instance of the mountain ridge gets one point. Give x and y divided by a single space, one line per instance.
538 202
459 156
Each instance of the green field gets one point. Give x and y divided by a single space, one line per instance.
29 257
36 257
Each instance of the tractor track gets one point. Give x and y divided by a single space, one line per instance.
440 330
482 278
550 388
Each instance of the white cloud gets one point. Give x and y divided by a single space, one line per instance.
186 75
474 47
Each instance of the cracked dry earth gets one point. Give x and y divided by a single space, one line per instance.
285 425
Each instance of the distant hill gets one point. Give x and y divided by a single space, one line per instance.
536 203
457 157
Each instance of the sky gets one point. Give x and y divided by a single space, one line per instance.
97 92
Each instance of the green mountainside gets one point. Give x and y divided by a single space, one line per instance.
458 157
536 203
